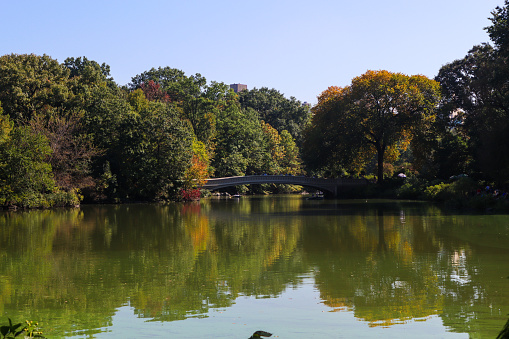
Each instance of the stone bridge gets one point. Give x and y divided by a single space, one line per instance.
331 187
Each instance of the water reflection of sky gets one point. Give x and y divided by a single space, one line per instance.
297 313
459 272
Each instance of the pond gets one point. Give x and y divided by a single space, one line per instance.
225 268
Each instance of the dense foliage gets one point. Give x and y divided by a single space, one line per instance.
377 115
281 113
68 133
385 124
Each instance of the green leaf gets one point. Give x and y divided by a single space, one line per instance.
4 330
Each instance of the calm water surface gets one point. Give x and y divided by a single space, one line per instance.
225 268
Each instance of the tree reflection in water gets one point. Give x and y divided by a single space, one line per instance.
386 263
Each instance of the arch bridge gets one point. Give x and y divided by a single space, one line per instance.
331 187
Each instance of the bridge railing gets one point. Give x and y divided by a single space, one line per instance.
298 180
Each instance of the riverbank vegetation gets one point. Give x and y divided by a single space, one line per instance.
29 329
69 133
444 139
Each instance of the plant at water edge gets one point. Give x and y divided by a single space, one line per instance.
30 330
10 331
190 194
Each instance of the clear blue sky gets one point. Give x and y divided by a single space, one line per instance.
297 47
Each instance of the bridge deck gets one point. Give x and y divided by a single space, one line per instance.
330 185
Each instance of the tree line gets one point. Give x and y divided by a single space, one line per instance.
386 124
69 133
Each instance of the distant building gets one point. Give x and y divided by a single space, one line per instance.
308 104
238 87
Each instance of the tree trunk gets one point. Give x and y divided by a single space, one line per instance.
380 169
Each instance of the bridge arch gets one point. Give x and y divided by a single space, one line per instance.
332 187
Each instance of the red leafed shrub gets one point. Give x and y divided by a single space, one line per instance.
190 194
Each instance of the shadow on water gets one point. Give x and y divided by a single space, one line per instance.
504 334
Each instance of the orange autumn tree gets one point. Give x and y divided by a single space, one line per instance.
197 173
379 112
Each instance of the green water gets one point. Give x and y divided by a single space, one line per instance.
225 268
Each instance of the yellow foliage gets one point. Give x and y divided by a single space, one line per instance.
198 171
377 114
274 143
137 100
5 125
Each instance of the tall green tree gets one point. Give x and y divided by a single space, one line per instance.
240 143
25 175
476 94
151 153
54 99
290 163
30 83
88 71
198 102
499 30
469 105
173 81
278 111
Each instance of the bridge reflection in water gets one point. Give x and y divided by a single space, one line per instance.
331 187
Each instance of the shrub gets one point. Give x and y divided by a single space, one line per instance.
455 191
190 194
409 190
61 198
439 192
28 330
